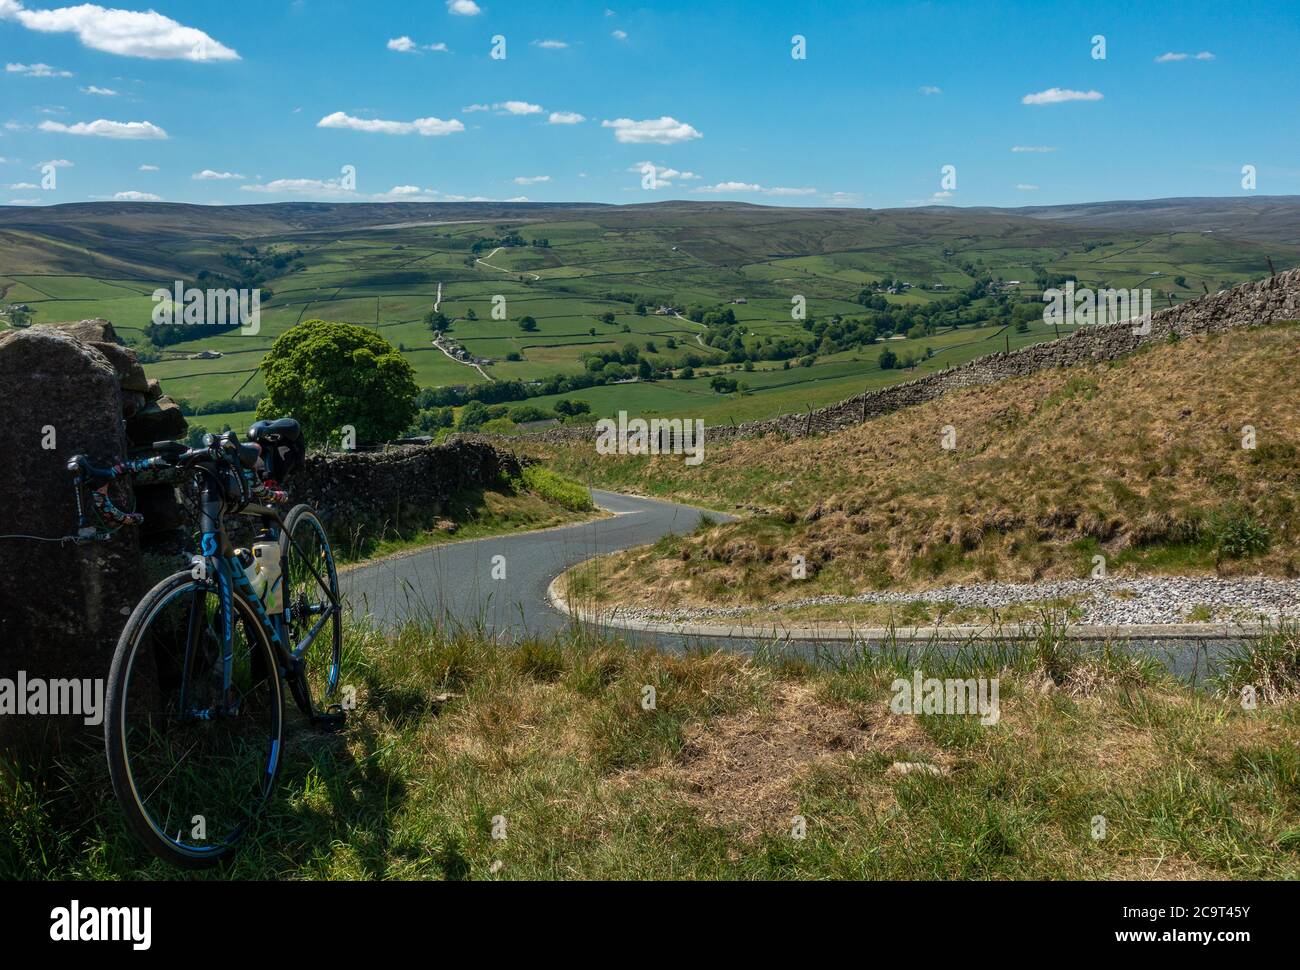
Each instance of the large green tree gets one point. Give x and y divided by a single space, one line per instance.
330 375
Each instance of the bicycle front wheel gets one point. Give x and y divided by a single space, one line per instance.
193 763
315 612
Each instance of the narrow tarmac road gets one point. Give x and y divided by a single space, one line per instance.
457 581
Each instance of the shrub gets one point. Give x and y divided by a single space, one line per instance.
1238 535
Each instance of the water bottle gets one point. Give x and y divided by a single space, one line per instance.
251 572
266 557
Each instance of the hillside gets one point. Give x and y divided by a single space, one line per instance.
1141 461
592 277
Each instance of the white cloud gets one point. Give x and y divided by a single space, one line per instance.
930 89
26 201
730 187
1027 188
566 118
517 108
136 197
619 34
531 179
126 32
208 175
421 126
471 108
1033 148
21 186
463 8
332 187
404 45
1173 56
550 45
36 70
1060 95
780 191
55 163
663 175
842 197
658 131
148 168
108 129
943 196
405 193
95 89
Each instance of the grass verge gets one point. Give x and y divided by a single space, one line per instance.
541 499
606 762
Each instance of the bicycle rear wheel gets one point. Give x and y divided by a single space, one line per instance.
315 613
191 765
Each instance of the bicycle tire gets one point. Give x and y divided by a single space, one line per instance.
320 667
119 737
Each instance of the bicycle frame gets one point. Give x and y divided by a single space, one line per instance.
218 561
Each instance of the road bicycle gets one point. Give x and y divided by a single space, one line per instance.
195 698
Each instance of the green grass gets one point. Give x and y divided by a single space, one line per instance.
556 488
455 734
542 499
388 279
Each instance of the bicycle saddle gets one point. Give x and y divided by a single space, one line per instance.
274 432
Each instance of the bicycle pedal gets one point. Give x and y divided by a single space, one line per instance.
333 718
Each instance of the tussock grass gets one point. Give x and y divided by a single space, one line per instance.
454 730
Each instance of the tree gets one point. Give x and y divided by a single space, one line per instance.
437 321
888 359
470 314
328 375
527 324
570 408
473 416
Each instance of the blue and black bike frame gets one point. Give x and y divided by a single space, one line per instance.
219 562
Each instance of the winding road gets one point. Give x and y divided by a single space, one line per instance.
454 583
456 580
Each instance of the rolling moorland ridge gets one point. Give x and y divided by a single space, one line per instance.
674 308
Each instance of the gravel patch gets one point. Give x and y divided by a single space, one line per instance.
1100 602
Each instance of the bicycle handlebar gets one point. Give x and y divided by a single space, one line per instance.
222 448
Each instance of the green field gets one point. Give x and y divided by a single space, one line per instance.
678 254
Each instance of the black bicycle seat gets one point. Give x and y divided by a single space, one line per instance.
273 432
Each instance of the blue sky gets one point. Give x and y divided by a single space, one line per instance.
279 96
